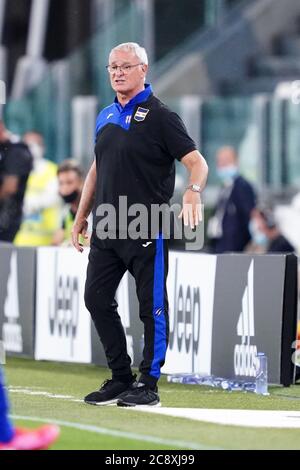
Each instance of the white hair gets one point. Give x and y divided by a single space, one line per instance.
139 51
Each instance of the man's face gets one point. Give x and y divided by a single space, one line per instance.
259 222
68 183
227 169
226 157
31 138
127 82
35 143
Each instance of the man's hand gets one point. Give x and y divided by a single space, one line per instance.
192 209
79 230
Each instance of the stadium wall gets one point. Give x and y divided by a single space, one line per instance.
223 310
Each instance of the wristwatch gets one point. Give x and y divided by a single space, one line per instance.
195 187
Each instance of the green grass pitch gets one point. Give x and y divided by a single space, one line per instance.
42 392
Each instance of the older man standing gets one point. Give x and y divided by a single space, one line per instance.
138 140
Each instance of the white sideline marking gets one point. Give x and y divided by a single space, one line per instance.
121 434
247 418
40 393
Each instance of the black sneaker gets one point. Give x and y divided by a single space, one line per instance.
139 395
108 393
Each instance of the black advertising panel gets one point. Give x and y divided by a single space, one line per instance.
17 299
289 327
248 314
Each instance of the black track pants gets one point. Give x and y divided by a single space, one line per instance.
148 263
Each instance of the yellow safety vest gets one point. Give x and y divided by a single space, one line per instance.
68 225
38 229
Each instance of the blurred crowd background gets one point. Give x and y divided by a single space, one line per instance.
230 68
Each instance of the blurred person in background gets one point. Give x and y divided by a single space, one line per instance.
265 234
13 438
70 178
41 204
15 168
288 219
228 229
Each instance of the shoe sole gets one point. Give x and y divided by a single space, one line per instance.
131 405
102 403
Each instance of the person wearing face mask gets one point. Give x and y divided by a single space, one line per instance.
228 229
41 205
265 234
70 183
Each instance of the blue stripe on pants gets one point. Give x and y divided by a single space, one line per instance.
6 428
160 336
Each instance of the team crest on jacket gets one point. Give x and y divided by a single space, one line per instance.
141 114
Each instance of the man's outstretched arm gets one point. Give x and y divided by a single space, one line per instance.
198 171
85 207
